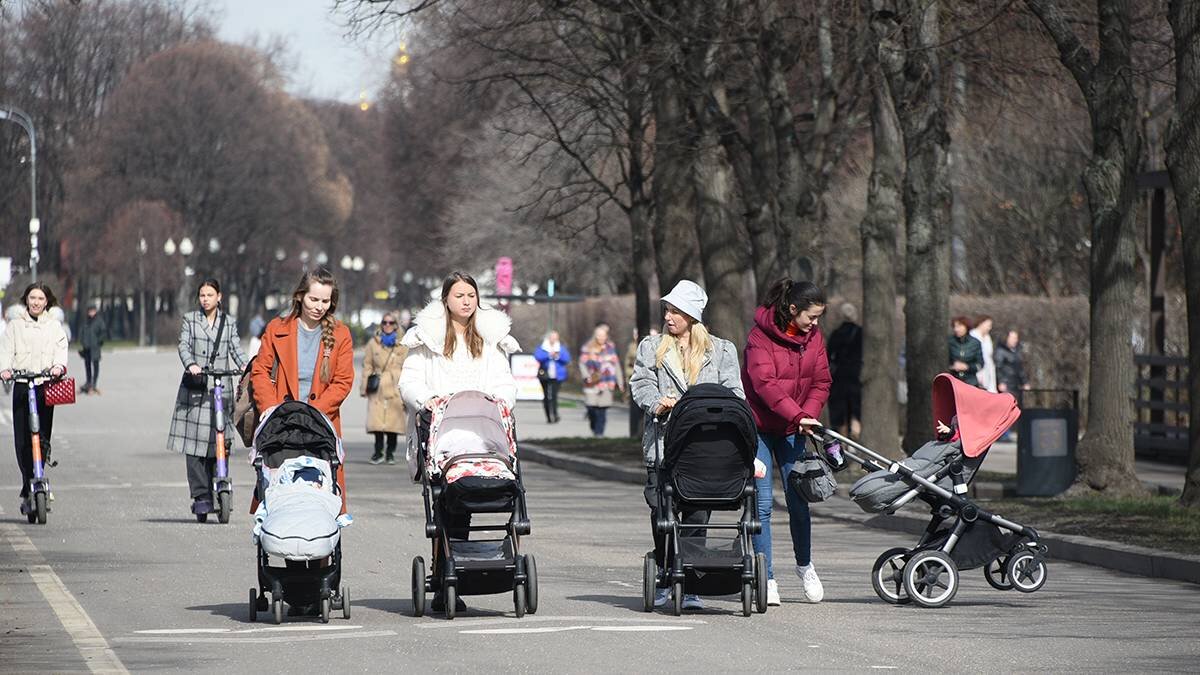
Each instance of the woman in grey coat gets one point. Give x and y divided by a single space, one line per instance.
192 430
667 364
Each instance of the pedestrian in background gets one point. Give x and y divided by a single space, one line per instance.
206 336
91 339
845 350
666 366
786 377
383 360
553 358
1010 365
965 352
983 332
257 324
34 341
600 366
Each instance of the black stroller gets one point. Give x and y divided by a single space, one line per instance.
708 465
296 455
466 448
961 535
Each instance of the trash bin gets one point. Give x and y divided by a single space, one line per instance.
1046 438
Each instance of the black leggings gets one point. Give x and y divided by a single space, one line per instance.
550 399
21 436
91 367
391 442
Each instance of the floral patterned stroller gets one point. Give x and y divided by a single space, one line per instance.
467 451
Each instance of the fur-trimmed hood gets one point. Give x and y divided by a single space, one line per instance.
429 329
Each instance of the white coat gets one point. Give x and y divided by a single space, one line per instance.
33 344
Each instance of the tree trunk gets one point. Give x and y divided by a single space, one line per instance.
881 430
921 112
1183 161
1105 454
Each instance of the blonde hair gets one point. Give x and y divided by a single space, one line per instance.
699 344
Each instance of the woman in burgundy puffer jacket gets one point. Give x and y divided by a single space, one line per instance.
785 374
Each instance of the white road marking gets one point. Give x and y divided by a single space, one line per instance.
265 639
522 631
623 584
586 620
95 651
640 629
232 631
885 667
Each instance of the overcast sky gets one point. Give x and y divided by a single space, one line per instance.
327 63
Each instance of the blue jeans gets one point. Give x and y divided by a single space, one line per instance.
597 418
783 452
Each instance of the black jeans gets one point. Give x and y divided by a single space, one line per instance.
686 517
21 436
550 399
597 419
200 473
91 366
391 443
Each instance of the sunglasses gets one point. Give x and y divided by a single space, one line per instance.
387 323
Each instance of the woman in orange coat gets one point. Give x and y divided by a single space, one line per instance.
315 355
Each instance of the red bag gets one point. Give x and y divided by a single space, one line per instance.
59 392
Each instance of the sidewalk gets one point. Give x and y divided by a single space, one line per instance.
531 420
1002 458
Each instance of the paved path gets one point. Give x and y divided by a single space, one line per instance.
122 577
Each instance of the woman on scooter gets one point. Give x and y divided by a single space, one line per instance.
34 341
208 338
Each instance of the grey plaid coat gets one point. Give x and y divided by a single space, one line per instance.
192 431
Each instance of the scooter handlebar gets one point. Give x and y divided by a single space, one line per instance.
28 375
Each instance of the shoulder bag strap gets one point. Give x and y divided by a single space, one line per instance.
212 356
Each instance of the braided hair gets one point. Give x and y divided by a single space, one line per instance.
329 324
785 293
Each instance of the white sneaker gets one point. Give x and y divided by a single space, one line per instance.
661 596
692 601
772 593
813 591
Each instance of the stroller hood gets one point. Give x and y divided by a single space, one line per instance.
982 416
295 429
710 404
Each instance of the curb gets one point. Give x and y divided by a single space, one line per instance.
1138 560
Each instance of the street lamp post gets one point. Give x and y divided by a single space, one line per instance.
16 116
141 249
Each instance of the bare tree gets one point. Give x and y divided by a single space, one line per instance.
1105 454
1183 161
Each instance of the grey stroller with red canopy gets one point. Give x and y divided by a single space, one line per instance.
961 534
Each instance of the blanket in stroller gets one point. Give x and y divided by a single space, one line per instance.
876 491
297 519
471 434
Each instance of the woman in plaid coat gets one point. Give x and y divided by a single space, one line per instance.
192 430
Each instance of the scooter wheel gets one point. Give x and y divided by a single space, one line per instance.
39 507
223 506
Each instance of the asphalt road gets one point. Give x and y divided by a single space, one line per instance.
122 577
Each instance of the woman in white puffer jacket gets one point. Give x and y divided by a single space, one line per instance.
455 345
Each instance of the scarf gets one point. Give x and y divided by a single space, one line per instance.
601 365
388 339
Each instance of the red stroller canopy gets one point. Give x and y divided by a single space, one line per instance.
982 416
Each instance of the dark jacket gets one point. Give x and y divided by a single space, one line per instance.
845 349
786 377
1010 367
969 351
92 335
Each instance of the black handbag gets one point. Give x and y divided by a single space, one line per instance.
199 382
372 383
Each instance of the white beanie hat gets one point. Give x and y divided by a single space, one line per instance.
689 298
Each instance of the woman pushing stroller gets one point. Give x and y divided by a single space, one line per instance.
666 366
455 344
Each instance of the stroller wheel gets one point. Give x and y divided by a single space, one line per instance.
253 605
326 608
519 600
760 580
1026 571
747 598
677 599
931 578
649 582
451 595
344 597
531 587
996 573
418 586
277 610
887 576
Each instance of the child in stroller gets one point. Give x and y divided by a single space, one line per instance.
968 421
296 454
708 464
467 464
